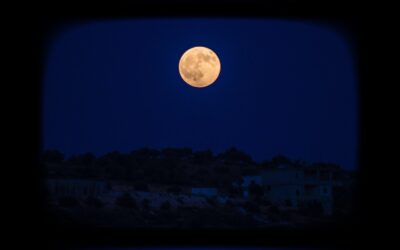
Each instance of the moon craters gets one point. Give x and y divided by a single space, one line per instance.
199 67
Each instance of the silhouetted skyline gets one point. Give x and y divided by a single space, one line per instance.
284 88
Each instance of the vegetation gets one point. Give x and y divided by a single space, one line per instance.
68 201
176 169
94 202
146 204
177 166
165 206
180 166
256 190
126 201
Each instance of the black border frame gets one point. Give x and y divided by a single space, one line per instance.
40 26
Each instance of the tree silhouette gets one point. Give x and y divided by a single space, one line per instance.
166 206
126 201
94 202
53 156
146 204
68 201
256 190
233 155
280 160
266 164
203 157
176 153
174 189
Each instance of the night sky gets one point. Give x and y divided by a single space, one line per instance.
285 87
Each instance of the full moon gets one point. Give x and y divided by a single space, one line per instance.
199 67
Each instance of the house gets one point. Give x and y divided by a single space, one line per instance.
204 191
247 180
299 186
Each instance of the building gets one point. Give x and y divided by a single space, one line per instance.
204 191
300 186
247 180
76 187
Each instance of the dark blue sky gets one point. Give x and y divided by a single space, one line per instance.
285 87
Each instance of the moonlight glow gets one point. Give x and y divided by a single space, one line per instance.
199 67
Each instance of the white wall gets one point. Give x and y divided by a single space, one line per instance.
248 179
281 185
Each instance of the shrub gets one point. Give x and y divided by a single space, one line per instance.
165 206
212 202
274 209
92 201
68 201
229 204
288 203
174 189
126 201
265 202
141 187
251 207
180 200
146 204
315 209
